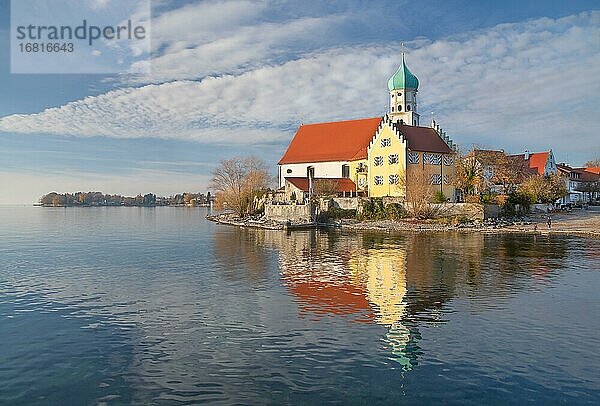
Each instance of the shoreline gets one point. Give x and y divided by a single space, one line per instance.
583 224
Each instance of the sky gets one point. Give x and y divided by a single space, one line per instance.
237 77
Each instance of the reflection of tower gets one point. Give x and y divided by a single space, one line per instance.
397 337
385 272
384 269
328 275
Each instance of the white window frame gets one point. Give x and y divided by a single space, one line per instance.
448 160
378 180
386 142
393 179
413 158
432 159
393 159
436 179
378 159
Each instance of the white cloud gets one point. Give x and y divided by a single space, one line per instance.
530 84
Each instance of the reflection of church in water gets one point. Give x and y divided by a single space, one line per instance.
363 279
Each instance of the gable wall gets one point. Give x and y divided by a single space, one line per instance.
397 146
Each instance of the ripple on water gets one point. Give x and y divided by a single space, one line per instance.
160 306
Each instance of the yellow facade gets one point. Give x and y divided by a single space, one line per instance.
394 176
386 143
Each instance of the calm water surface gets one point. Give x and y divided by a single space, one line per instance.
159 306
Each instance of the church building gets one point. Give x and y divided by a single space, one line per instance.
374 157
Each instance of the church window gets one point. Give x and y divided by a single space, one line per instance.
448 160
413 158
408 107
393 159
378 161
378 180
392 108
289 171
399 107
432 159
436 179
393 179
386 142
345 171
399 94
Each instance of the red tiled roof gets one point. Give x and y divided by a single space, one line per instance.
584 174
336 141
537 161
349 140
343 184
424 139
595 170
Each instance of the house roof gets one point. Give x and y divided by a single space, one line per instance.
424 139
342 184
349 141
595 170
585 175
537 160
335 141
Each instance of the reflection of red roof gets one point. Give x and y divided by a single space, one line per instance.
342 184
537 161
337 141
323 298
320 296
423 139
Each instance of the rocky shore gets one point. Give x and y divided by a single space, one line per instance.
258 222
583 223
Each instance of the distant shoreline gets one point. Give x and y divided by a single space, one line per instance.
119 205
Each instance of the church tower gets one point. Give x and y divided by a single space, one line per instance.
403 86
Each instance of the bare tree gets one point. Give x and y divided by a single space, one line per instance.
237 181
326 187
543 189
469 175
419 193
594 163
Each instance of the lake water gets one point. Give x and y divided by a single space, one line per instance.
159 306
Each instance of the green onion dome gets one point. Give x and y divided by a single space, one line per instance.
403 78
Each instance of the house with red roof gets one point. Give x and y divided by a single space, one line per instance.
540 163
375 157
579 183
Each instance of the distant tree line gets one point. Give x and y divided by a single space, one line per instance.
100 199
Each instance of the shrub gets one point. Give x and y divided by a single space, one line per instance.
374 209
440 197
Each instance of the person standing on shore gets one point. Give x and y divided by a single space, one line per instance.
549 222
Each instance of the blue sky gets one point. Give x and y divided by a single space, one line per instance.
237 77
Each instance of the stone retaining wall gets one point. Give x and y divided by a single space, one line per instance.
293 212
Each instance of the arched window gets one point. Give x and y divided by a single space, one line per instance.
392 108
399 107
408 107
